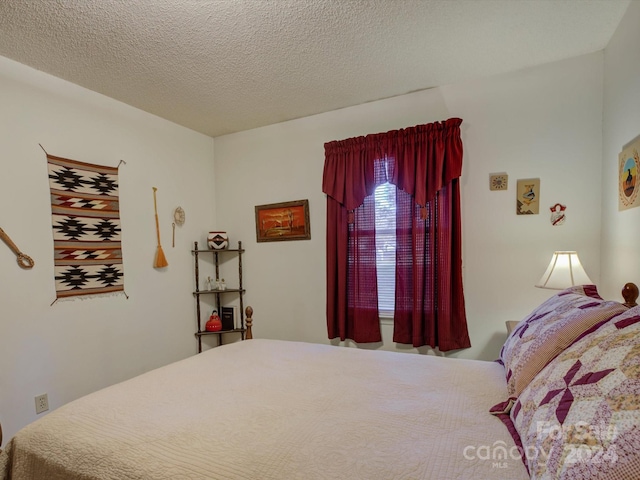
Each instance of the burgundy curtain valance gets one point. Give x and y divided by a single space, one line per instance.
421 160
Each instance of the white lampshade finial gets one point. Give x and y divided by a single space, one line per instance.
564 271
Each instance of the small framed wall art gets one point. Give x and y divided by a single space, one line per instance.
498 181
628 163
528 196
283 221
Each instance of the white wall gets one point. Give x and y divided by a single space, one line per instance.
75 347
620 229
543 122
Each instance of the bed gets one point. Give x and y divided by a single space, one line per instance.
269 409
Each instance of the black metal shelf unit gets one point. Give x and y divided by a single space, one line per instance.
218 293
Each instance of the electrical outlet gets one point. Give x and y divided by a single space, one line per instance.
42 403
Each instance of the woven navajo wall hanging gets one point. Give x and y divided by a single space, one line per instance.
86 228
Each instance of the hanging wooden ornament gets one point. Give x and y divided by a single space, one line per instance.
178 219
160 260
25 261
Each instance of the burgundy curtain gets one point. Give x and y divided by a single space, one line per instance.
352 290
424 162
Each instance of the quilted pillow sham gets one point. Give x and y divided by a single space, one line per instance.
580 418
549 329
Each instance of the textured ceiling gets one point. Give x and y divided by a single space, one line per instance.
221 66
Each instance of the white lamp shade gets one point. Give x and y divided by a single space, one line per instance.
564 271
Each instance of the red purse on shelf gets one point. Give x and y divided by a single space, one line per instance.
214 324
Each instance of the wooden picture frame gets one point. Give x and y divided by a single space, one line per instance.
283 221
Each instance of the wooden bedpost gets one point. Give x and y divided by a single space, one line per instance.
249 321
630 294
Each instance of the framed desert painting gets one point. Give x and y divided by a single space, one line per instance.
283 221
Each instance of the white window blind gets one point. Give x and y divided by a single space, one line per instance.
385 211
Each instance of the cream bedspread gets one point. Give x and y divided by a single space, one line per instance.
266 409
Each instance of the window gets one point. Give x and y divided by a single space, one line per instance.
385 221
413 268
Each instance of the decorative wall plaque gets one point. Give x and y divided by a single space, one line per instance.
498 181
528 196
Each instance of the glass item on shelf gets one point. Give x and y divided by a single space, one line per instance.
223 286
217 240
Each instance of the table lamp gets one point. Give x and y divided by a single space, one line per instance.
564 271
